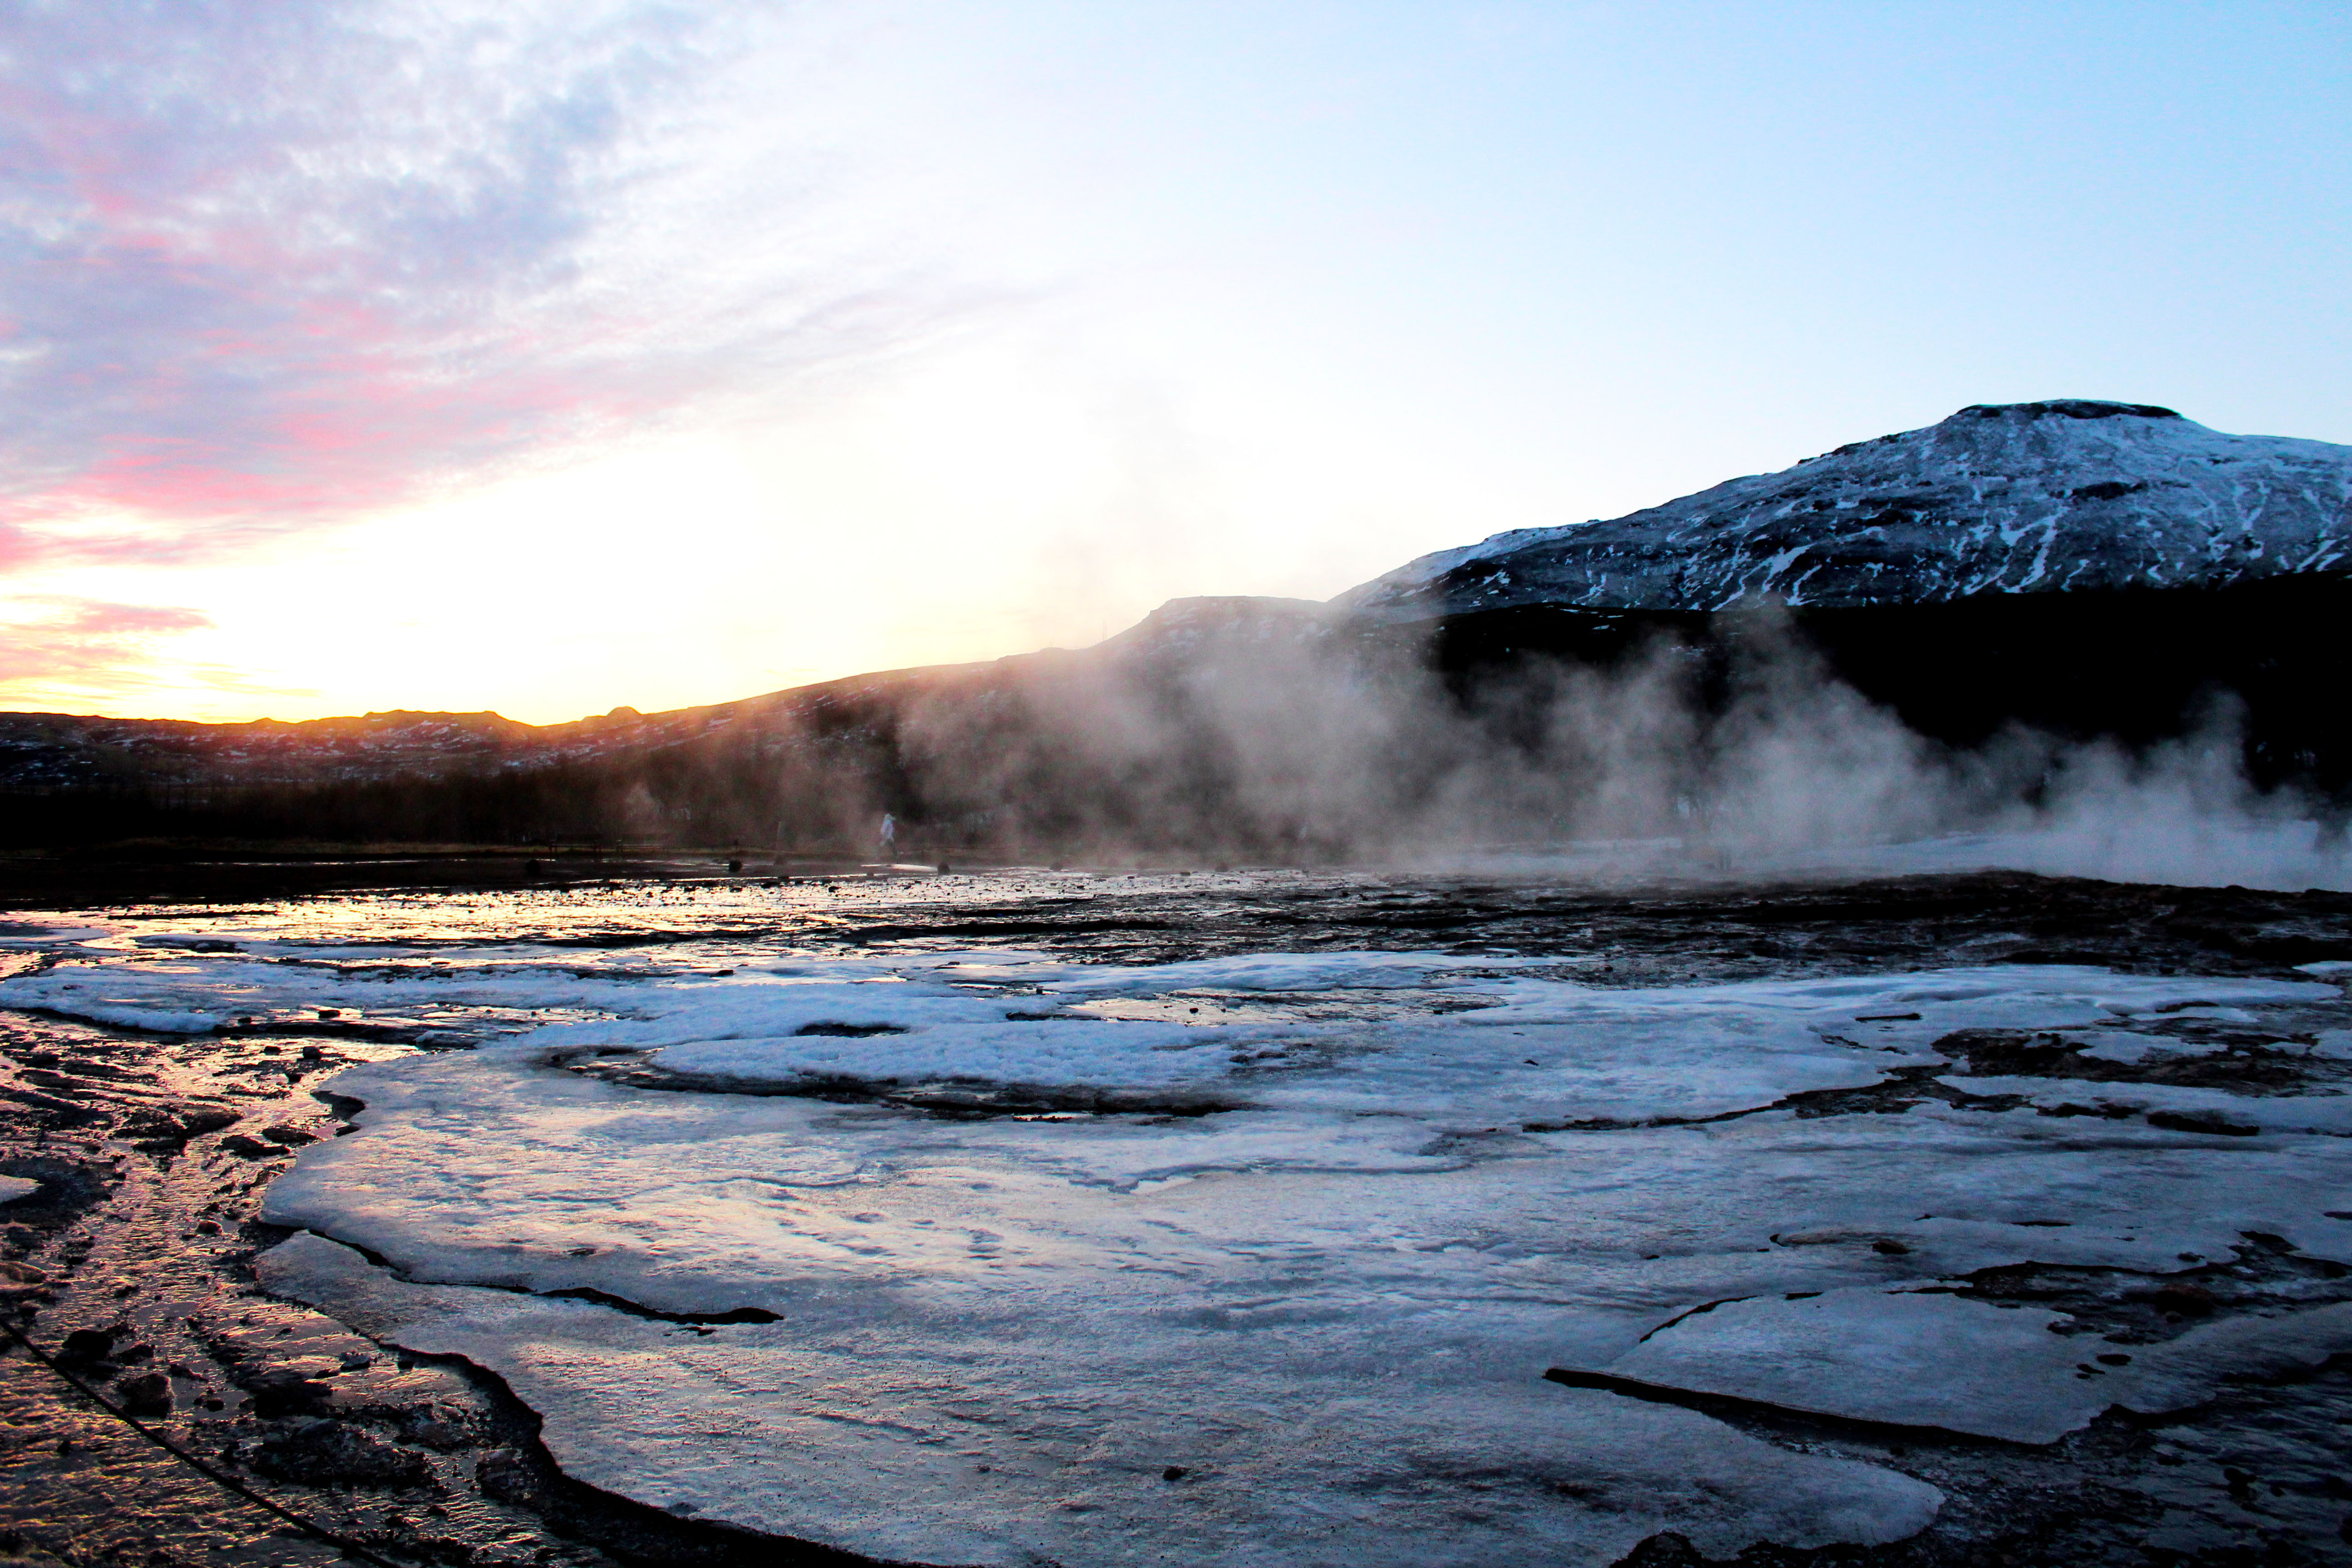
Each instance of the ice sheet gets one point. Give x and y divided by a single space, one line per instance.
955 1294
1523 1047
1037 1441
1920 1356
1330 1305
1897 1356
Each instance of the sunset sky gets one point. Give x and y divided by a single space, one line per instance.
547 357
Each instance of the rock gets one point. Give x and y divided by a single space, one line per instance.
506 1476
283 1391
1665 1550
318 1368
57 1113
441 1430
86 1344
322 1452
148 1393
2201 1121
164 1129
2182 1298
250 1148
285 1132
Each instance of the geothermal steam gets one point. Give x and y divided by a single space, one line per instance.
1282 739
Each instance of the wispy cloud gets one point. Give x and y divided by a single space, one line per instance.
268 263
91 643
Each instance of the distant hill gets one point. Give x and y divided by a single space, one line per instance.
943 747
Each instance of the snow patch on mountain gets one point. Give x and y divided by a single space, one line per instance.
2017 498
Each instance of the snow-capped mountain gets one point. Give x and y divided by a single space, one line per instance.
2019 498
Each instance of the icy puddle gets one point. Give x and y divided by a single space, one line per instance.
986 1257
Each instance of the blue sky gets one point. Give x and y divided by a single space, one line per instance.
547 357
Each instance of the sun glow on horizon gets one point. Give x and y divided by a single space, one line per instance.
988 504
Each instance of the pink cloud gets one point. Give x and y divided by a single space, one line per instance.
276 266
91 642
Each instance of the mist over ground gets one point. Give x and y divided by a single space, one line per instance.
1253 730
1749 755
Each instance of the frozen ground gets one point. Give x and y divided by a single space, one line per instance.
1057 1219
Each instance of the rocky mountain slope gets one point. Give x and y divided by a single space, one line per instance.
2067 496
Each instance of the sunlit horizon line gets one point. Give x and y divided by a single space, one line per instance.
618 709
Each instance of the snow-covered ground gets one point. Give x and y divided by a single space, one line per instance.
1294 1304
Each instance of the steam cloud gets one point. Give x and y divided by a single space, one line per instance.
1268 731
1223 732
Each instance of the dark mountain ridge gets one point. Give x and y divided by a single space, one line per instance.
813 765
80 752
